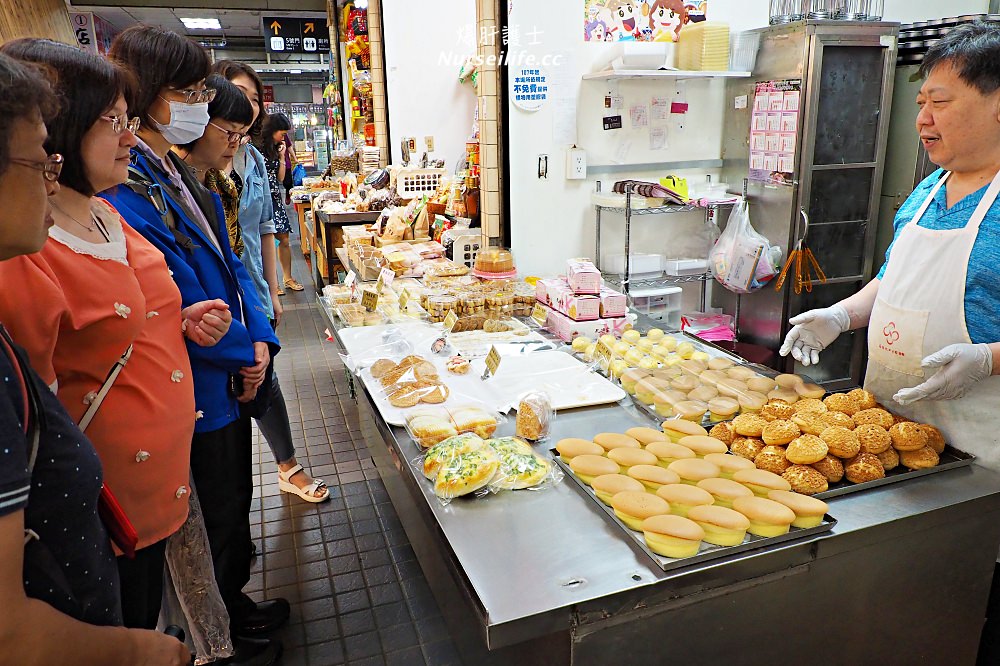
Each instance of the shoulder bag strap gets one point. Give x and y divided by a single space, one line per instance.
108 383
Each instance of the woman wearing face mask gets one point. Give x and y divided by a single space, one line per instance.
166 204
256 208
271 143
96 289
59 587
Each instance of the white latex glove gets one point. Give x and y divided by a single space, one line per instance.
814 331
959 367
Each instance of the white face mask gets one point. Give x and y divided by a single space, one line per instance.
187 122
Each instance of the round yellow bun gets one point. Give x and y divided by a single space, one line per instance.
672 536
704 394
741 373
806 449
809 511
787 395
613 440
690 410
865 399
780 433
720 363
693 470
581 342
723 408
729 464
646 435
747 447
810 391
587 466
678 429
775 411
805 479
761 384
749 425
683 497
607 486
724 491
788 381
723 527
772 459
627 457
760 481
653 477
654 334
767 517
572 447
633 507
702 445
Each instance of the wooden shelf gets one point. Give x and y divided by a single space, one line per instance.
625 74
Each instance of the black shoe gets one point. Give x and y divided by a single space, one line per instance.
265 617
254 652
254 551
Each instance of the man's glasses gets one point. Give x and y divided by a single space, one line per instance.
195 96
50 168
235 138
121 123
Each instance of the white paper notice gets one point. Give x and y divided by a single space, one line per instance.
661 108
640 116
621 153
658 138
564 121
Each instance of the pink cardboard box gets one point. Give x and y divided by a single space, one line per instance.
583 276
567 329
576 307
613 304
544 289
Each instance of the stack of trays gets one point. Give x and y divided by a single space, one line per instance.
704 47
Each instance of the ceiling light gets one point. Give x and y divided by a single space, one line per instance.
201 23
361 4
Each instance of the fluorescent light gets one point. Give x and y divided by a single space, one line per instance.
295 71
201 23
361 4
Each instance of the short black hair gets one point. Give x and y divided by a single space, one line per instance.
87 85
274 122
973 50
158 58
25 93
233 68
229 104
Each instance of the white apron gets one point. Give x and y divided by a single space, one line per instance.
920 309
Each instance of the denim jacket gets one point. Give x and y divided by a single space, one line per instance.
256 220
201 272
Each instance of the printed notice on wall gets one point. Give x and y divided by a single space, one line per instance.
661 108
773 128
640 116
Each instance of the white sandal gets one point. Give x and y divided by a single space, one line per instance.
308 493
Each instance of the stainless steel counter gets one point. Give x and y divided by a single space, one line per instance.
545 577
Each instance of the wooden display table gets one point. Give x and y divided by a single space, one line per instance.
327 237
305 233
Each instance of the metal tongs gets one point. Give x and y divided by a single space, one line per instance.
806 266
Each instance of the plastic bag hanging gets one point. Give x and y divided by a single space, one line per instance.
743 260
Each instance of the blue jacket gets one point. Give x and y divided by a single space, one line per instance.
201 272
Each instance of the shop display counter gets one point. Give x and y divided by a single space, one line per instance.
544 577
327 237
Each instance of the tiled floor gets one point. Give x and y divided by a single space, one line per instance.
357 592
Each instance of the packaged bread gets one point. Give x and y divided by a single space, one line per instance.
534 416
466 473
429 429
442 452
475 420
518 471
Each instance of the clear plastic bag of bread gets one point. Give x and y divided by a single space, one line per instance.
413 381
459 466
535 416
393 347
520 467
428 426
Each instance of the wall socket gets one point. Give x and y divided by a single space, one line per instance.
576 164
429 142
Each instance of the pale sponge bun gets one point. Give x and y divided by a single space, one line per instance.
768 518
809 511
679 428
672 536
683 498
668 452
613 440
646 435
627 457
587 466
572 447
693 470
723 527
760 481
653 477
702 445
724 491
607 486
633 507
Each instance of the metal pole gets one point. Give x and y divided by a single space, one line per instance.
597 249
627 279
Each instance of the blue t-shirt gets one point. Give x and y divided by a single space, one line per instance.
59 500
982 284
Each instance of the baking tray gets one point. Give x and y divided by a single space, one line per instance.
708 552
952 458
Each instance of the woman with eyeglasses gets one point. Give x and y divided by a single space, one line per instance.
271 143
256 213
96 289
164 202
58 580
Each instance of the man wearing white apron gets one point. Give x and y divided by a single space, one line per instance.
933 313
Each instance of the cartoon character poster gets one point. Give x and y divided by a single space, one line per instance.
639 20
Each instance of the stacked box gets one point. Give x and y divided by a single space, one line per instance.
583 276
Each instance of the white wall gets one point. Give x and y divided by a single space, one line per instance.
425 97
552 219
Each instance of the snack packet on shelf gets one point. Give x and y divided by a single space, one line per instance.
534 416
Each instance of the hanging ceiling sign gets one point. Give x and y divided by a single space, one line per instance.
291 34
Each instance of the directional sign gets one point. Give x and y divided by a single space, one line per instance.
290 34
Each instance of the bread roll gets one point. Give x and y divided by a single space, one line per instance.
474 419
691 410
741 373
788 381
722 526
682 497
724 432
707 394
633 507
805 480
874 416
842 402
785 395
752 402
864 467
612 440
907 436
694 470
632 376
774 411
677 429
761 482
572 447
586 467
864 399
811 423
935 439
809 405
627 457
772 459
702 445
747 447
653 477
607 486
838 419
761 384
668 452
873 439
806 449
672 536
646 435
466 473
767 517
809 511
724 491
889 459
520 470
749 425
810 391
919 459
830 467
429 430
729 464
450 448
780 433
841 442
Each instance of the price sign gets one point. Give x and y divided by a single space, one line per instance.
604 354
385 278
493 361
404 298
539 314
351 280
450 320
369 299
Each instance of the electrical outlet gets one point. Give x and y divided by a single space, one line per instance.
576 164
413 144
429 142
